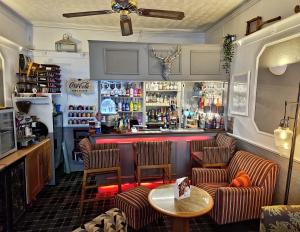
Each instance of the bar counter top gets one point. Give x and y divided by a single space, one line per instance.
156 135
19 154
162 132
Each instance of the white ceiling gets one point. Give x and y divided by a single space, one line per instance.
199 14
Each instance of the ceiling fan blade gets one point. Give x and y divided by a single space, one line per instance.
87 13
167 14
126 25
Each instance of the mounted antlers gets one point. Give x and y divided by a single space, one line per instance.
166 62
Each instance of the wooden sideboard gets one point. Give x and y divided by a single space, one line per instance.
38 166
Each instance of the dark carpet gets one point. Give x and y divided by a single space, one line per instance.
57 209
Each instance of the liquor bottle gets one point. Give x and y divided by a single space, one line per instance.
160 85
135 106
123 106
139 106
202 102
222 124
131 106
135 91
126 106
120 105
140 90
131 91
214 123
127 90
154 115
218 120
158 116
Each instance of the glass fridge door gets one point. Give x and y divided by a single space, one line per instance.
7 132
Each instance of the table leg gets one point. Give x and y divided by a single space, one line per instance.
180 225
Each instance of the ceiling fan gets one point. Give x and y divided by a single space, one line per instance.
126 7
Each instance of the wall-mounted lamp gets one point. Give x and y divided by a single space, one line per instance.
278 70
285 140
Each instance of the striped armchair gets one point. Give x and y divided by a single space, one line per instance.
152 155
215 152
232 204
98 159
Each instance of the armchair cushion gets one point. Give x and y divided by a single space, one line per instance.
216 155
241 179
280 218
198 145
211 188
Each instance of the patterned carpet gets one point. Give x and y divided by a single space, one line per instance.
57 209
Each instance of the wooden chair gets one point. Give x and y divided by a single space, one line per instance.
153 155
215 152
98 159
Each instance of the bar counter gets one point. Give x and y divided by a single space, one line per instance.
180 147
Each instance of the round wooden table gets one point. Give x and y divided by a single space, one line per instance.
199 203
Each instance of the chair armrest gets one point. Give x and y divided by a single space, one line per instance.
272 216
102 159
233 201
198 145
216 155
204 175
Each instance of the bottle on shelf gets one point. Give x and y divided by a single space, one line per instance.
140 90
139 106
131 91
123 106
135 90
126 106
120 105
127 90
134 105
131 106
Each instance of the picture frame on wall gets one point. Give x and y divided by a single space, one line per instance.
239 100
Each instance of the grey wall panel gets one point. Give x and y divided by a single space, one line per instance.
205 62
121 61
281 179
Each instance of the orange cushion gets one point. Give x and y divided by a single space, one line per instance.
241 179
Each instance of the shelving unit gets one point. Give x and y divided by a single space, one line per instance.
45 78
81 115
162 96
123 94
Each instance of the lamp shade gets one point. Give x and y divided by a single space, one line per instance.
283 140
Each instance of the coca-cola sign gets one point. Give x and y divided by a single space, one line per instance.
78 87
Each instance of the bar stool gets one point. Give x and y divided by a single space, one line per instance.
153 155
98 159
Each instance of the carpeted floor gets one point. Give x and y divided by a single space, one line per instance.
57 209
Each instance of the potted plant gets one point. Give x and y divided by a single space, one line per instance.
228 52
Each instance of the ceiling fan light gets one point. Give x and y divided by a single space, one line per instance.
126 25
